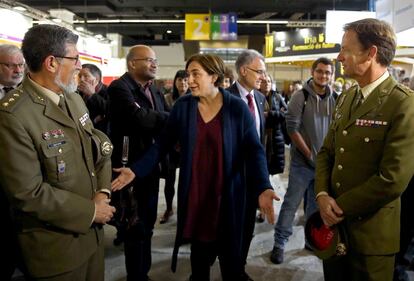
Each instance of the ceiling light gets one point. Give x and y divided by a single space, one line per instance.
80 28
56 20
169 31
98 36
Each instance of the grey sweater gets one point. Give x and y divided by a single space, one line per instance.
313 124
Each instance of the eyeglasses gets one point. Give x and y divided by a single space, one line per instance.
149 60
76 59
13 65
258 71
321 72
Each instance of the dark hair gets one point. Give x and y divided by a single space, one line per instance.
373 32
94 70
322 60
179 74
211 64
44 40
228 73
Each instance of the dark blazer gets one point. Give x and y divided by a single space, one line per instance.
366 166
275 142
244 159
260 100
131 114
50 177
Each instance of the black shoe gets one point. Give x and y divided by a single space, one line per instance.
277 255
166 216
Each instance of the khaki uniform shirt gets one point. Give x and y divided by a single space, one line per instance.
52 166
366 162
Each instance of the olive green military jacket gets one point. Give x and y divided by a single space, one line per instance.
51 174
366 162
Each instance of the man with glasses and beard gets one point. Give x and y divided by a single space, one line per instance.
11 68
11 75
56 166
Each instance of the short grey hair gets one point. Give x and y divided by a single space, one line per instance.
246 57
43 40
10 49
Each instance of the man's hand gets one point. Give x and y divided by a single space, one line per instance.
103 211
126 176
266 204
86 88
331 214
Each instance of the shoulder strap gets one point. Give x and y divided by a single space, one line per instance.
306 95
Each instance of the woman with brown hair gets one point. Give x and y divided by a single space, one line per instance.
221 157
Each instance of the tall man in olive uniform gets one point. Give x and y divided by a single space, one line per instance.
56 167
366 159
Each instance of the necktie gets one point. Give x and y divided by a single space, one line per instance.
357 101
62 104
250 103
7 89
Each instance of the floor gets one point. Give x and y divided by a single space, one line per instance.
299 264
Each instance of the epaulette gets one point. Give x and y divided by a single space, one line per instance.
11 99
406 90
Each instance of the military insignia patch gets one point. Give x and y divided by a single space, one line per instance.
106 148
83 119
370 123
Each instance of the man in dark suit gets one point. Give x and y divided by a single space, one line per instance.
56 167
366 162
137 110
251 71
95 95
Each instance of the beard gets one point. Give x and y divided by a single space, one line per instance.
68 88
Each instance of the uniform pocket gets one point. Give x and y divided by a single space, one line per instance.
57 160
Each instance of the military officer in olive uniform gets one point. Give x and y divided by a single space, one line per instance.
366 160
55 167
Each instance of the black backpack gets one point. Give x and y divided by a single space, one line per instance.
288 141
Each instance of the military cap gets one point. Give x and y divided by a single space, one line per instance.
325 241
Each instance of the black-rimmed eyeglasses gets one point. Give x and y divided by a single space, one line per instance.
76 59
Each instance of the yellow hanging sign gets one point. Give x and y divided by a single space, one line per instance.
197 27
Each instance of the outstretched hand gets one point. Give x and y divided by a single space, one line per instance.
126 176
266 204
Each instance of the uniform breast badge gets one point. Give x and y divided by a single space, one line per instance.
61 167
106 148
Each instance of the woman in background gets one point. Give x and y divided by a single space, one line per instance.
220 154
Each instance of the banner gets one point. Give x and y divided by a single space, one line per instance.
211 27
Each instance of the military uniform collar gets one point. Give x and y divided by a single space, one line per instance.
368 89
54 97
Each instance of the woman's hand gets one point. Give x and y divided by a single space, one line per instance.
126 176
266 204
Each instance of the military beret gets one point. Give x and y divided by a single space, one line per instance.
324 240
